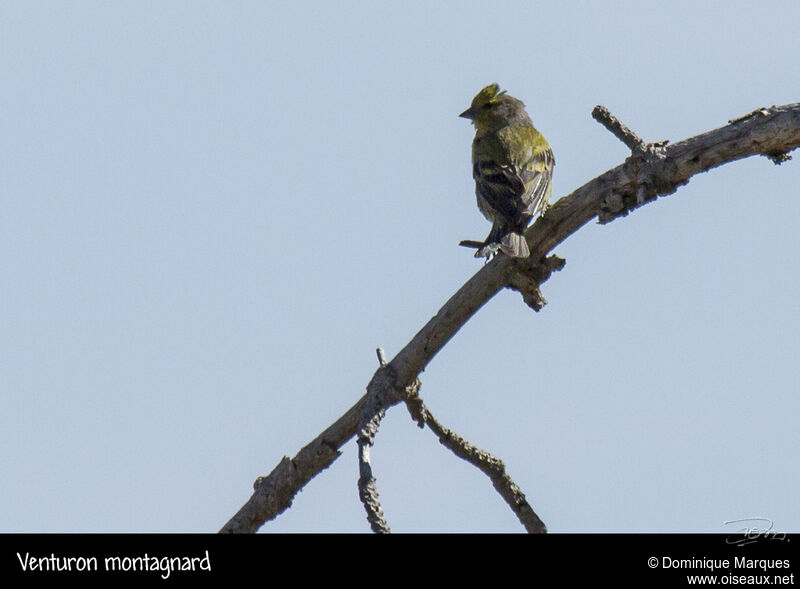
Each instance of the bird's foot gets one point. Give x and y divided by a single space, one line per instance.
488 251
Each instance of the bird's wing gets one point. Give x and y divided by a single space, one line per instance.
500 188
536 173
517 189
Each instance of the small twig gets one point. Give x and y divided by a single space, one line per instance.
416 408
603 116
381 356
471 243
490 465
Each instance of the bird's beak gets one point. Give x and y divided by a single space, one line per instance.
467 114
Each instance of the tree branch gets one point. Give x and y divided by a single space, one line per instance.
488 464
659 170
603 116
367 486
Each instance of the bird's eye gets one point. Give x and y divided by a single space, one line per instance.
487 106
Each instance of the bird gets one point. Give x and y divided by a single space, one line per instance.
512 165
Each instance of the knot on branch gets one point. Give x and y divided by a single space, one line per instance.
645 168
525 275
416 408
383 390
648 176
273 494
778 157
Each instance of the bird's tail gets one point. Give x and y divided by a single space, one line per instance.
500 239
514 245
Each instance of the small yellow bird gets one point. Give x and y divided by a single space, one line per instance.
512 164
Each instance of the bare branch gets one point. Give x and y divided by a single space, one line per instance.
489 465
603 116
367 486
772 132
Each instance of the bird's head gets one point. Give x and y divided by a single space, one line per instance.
492 108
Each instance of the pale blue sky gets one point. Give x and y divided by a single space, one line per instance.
214 212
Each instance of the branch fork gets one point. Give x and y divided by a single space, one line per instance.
652 170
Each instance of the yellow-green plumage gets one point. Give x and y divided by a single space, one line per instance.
512 165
